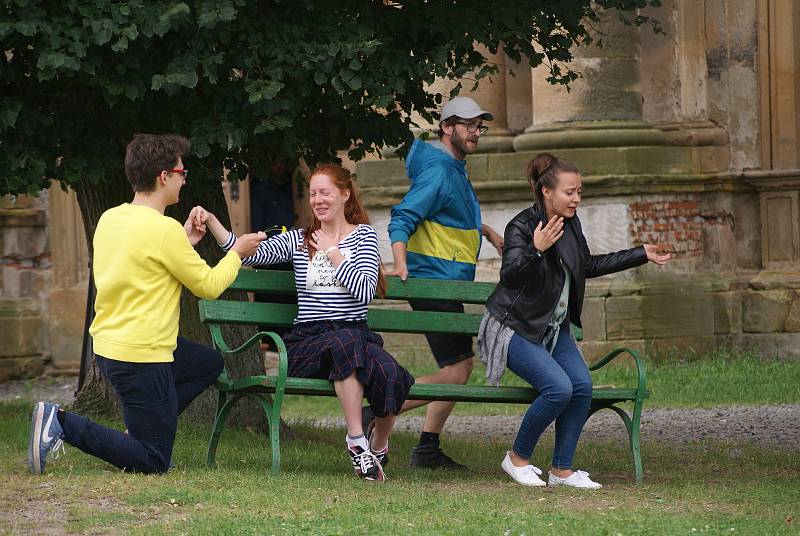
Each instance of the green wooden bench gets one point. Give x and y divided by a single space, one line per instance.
269 390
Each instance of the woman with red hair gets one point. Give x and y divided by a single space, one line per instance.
337 273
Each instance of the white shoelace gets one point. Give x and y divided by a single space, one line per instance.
583 475
533 469
367 461
58 449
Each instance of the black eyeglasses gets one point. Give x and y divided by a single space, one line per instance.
474 127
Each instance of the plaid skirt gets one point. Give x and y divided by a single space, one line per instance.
334 349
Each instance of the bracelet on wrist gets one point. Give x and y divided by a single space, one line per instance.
331 249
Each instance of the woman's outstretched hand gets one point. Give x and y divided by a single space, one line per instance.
545 237
657 253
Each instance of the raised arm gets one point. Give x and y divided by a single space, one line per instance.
272 251
609 263
181 259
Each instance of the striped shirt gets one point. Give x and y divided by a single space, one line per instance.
325 292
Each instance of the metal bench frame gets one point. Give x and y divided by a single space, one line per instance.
269 390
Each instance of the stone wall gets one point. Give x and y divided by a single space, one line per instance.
688 139
43 284
26 275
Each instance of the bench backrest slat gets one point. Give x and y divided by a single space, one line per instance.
275 282
385 320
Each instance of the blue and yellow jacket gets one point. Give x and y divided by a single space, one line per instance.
439 218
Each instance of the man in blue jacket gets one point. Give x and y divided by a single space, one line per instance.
436 233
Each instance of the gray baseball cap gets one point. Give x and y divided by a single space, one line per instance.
465 108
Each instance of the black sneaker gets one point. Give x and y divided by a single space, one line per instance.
430 456
383 456
366 464
368 424
367 420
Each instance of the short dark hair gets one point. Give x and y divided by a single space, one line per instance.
147 155
543 170
452 120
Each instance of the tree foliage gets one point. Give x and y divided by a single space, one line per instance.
249 80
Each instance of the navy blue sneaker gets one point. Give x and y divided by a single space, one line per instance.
46 435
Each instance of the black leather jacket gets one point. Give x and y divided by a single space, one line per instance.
530 283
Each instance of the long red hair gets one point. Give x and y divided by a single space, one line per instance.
354 211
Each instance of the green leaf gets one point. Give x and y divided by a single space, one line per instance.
131 91
26 28
120 45
8 116
50 60
5 30
190 79
354 83
156 82
102 34
131 32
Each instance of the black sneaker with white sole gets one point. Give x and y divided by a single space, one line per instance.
366 464
368 424
430 456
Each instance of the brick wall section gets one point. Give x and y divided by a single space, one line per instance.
677 223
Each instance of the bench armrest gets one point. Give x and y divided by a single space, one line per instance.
640 369
283 360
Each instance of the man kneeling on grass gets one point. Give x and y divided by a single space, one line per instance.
142 258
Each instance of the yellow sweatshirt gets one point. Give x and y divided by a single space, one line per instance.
141 260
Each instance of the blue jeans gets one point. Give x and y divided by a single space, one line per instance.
151 395
565 394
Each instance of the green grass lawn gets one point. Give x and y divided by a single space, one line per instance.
707 489
701 488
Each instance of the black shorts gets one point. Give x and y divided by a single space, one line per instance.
447 348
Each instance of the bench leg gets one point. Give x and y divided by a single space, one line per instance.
275 431
632 427
634 433
223 408
275 437
273 413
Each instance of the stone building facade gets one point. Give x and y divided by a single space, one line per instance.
691 139
44 273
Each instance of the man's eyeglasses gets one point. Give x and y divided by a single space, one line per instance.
184 171
474 127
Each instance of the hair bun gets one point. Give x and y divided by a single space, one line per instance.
538 165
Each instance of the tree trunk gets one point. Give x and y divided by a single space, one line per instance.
96 396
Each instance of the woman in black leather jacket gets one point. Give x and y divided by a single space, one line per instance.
545 265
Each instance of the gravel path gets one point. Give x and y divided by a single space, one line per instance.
766 426
775 426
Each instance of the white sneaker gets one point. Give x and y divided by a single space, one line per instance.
527 476
578 479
